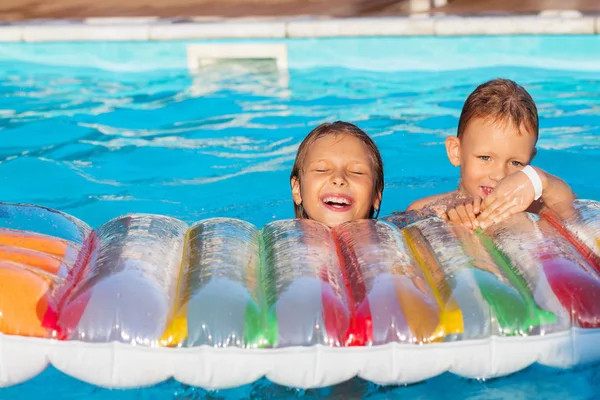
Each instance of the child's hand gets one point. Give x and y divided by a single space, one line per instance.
513 194
465 213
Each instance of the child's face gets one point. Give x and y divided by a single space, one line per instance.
487 152
337 181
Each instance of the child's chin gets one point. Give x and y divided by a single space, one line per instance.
333 222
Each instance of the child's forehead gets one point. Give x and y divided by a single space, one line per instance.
498 127
498 138
334 142
338 148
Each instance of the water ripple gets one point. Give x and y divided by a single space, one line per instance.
156 138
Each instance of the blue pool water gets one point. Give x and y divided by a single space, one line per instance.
102 129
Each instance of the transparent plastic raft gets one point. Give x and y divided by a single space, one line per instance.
218 304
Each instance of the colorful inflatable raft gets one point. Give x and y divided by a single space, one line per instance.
221 303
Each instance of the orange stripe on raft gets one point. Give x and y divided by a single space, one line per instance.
581 247
24 297
31 258
34 241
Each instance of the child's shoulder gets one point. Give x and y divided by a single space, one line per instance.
427 201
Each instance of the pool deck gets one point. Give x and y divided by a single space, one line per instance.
143 20
18 10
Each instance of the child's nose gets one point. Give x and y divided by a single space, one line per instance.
339 179
499 172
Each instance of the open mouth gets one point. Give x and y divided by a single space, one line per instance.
487 190
337 202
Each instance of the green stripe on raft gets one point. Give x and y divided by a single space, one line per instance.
261 329
514 307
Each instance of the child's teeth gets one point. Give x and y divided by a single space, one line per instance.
339 200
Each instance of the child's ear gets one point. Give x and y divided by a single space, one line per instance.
453 150
296 196
533 153
377 201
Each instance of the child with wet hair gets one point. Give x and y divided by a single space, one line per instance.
337 175
494 146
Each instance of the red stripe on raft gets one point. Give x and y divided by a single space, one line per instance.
360 332
581 247
51 318
576 289
336 317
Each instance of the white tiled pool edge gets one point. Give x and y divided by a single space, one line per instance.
150 29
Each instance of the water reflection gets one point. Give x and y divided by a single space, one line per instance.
261 78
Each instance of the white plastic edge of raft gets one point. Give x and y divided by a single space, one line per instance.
152 28
119 365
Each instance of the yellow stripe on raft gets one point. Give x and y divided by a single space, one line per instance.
422 316
451 319
177 330
34 241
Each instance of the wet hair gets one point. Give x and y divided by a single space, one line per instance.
336 128
503 101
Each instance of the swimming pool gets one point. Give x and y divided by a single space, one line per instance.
102 129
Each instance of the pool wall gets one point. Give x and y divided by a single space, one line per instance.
549 52
155 29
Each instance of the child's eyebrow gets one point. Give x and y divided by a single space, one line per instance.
485 151
314 164
519 157
317 161
326 160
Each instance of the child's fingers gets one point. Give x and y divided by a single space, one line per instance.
512 210
464 216
453 215
489 207
488 201
460 215
471 215
496 215
477 204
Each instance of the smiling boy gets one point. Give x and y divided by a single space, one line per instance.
495 143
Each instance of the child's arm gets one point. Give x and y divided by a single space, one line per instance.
516 193
556 192
425 202
452 206
437 204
